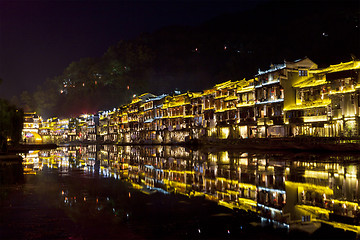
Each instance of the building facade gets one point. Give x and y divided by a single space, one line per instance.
290 99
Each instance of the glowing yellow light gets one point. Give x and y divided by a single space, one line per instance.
312 187
318 104
316 174
320 118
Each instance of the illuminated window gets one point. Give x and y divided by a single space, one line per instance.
302 73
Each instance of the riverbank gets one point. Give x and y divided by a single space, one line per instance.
9 158
295 144
23 148
312 144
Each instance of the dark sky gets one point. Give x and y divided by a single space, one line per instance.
38 39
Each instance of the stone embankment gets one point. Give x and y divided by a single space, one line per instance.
318 144
22 148
6 159
313 144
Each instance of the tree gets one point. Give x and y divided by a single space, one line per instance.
11 121
27 101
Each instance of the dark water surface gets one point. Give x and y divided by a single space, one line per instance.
163 192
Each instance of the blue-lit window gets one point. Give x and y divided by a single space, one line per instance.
303 73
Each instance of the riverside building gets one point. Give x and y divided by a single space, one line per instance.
290 99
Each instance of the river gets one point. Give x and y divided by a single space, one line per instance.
171 192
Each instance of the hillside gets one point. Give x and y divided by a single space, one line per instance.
232 46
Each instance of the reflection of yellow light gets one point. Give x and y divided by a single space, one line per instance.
212 130
212 157
350 175
243 161
351 171
346 203
270 168
226 204
314 210
344 226
240 185
224 157
176 184
196 194
350 118
136 186
29 171
316 174
210 197
243 203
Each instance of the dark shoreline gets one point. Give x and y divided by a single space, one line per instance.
297 144
294 144
23 148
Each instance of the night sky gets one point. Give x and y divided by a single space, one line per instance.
39 39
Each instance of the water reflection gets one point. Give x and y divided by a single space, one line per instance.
11 172
296 191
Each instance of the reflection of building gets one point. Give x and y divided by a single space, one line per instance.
286 193
31 162
271 190
279 192
325 191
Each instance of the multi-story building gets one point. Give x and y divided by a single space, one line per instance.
153 112
73 130
344 85
327 102
45 131
31 125
178 114
309 114
108 126
274 91
208 108
88 127
225 103
246 108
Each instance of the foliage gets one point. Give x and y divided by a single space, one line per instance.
11 121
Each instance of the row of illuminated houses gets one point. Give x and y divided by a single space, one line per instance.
288 193
55 130
289 99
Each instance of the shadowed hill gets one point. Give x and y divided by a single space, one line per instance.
232 46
